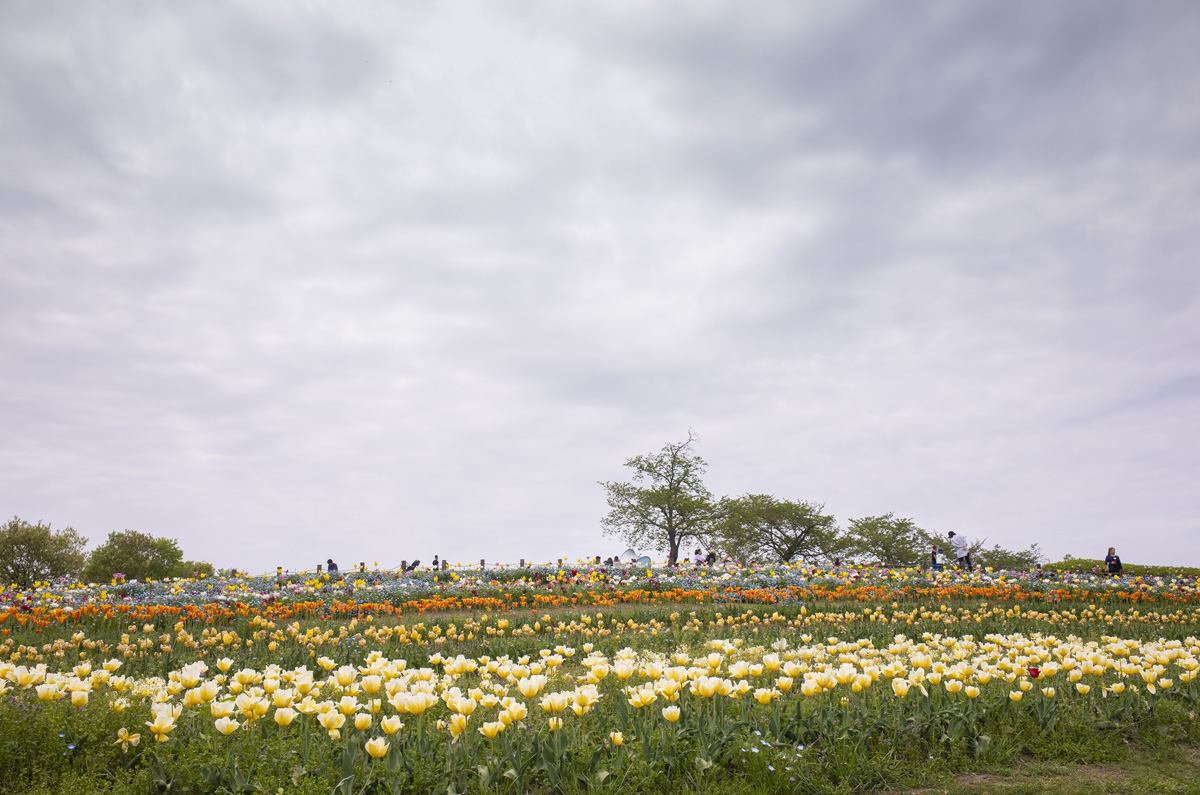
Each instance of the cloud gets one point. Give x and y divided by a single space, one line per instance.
285 282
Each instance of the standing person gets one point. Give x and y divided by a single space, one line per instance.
937 561
435 563
1113 561
962 550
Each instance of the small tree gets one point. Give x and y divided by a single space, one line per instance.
139 556
666 502
31 553
1007 559
761 528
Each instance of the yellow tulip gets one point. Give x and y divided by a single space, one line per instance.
671 713
222 709
391 725
208 691
900 687
49 692
226 726
555 724
125 739
1048 692
616 737
1082 688
641 698
162 726
554 702
763 696
331 720
1015 695
285 715
362 722
377 747
79 698
971 691
490 730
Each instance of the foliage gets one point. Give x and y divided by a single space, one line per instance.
1086 566
194 568
34 552
888 541
760 528
666 502
140 556
1008 560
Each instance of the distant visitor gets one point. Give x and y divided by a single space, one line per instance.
962 550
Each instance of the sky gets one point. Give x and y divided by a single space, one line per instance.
376 281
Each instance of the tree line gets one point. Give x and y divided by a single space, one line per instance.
34 552
666 506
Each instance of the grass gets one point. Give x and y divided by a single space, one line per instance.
1135 770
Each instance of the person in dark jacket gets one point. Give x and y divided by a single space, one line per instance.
1113 561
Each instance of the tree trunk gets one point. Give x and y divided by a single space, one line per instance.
673 555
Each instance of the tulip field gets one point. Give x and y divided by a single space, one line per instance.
586 679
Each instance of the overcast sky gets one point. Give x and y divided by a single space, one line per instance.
290 280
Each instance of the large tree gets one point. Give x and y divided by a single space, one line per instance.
33 552
664 504
138 556
888 541
760 528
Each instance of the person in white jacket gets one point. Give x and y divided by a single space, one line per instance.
962 550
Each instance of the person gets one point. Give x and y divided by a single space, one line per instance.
1113 561
436 565
333 569
597 560
962 550
937 561
698 557
711 558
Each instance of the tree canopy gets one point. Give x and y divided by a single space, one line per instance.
760 528
32 553
138 556
888 541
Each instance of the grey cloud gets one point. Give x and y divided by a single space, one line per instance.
270 274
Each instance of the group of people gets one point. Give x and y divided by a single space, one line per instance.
958 544
962 553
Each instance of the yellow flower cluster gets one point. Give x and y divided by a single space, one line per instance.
495 694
